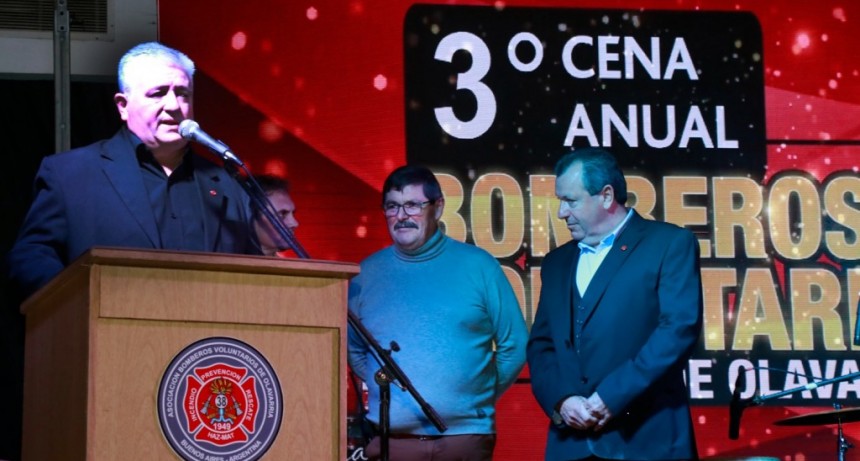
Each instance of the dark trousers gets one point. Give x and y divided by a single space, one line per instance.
467 447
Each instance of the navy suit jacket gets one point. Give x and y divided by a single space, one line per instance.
628 338
95 196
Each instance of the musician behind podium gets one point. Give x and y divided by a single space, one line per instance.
277 190
142 188
457 324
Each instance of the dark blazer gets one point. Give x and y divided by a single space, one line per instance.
95 196
629 339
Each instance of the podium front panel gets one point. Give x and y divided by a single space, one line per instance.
102 335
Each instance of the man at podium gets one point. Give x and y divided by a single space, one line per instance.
142 188
451 318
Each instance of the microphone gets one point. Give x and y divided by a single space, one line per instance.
190 130
736 407
857 326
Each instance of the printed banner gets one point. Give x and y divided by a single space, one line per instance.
494 96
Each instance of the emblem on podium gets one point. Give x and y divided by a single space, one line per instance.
219 399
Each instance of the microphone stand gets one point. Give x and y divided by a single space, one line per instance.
842 444
389 371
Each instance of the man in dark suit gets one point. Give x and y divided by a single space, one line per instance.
620 311
142 188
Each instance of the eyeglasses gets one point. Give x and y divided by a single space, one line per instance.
410 208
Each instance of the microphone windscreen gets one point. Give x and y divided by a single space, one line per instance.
187 128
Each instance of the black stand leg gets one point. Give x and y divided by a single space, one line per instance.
842 444
384 381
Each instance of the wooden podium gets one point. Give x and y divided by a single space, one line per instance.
101 335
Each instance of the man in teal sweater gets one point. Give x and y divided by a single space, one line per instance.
452 313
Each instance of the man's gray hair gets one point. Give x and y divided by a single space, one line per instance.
153 50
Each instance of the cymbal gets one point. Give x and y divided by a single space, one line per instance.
845 415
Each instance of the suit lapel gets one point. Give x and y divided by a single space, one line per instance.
120 166
623 247
563 271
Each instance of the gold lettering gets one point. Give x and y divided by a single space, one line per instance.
853 291
519 288
513 219
759 313
815 294
845 214
675 189
455 225
536 284
801 240
737 205
544 215
641 195
714 282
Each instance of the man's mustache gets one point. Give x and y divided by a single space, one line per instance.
405 225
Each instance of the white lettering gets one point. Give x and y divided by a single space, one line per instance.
679 60
695 127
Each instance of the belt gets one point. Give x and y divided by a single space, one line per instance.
415 436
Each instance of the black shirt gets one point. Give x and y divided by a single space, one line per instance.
175 199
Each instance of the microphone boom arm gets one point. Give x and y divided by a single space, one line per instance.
737 407
760 399
262 203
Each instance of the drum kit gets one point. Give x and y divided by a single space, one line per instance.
836 416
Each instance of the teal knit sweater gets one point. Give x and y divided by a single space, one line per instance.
457 321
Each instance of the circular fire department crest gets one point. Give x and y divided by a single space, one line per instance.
220 399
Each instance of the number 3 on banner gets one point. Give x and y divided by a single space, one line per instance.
469 81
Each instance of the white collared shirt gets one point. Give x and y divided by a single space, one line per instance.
590 257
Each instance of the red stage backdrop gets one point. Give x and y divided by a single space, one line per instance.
736 119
